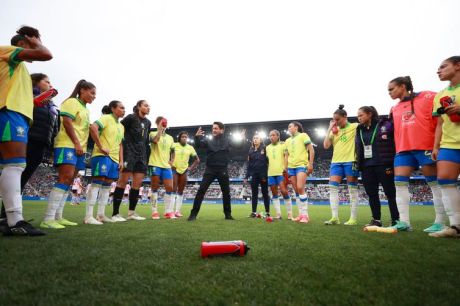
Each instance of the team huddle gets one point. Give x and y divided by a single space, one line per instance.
422 131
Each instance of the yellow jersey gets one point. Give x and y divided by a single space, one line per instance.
15 83
275 155
297 151
344 144
182 156
160 153
450 130
77 111
110 134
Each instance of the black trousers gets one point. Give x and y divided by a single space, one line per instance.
34 156
210 174
384 175
255 182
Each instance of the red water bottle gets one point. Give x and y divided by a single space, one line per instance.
164 122
447 101
335 130
45 97
224 248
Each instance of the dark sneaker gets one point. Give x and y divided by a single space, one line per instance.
229 217
253 215
374 223
23 228
191 218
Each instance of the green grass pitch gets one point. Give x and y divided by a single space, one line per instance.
158 262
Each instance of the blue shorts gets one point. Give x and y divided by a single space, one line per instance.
104 166
67 156
415 159
13 126
275 180
163 173
344 169
294 171
452 155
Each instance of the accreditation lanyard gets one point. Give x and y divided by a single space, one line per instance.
368 148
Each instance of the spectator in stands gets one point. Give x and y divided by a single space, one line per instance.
414 137
256 172
341 135
299 157
375 151
182 152
218 151
447 143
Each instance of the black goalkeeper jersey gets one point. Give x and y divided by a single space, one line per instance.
136 140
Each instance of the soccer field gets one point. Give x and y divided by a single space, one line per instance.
158 262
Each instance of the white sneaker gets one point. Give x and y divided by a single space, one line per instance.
118 218
104 219
135 216
447 232
92 221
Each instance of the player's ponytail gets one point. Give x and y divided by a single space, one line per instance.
298 125
82 84
108 109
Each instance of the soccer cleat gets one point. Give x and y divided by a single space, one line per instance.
278 217
66 222
118 218
289 216
447 232
253 215
191 218
178 214
435 227
135 216
51 224
351 222
92 221
156 216
332 221
402 226
23 228
170 215
229 217
304 219
374 223
104 219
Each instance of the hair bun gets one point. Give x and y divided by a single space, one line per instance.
341 106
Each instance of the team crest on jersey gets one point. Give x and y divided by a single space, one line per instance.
20 131
408 118
69 155
104 168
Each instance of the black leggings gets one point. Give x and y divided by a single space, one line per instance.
384 175
255 182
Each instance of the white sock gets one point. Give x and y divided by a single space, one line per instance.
303 204
154 202
353 192
60 209
173 201
438 205
102 200
93 194
451 200
10 188
334 199
54 200
402 200
179 200
277 205
167 201
288 204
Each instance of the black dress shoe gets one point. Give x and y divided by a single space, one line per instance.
229 217
191 218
